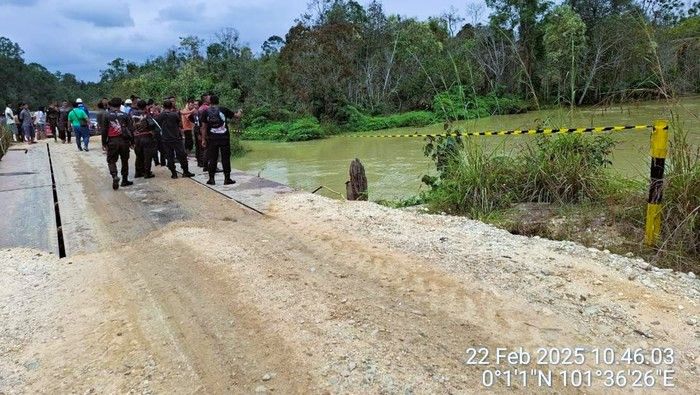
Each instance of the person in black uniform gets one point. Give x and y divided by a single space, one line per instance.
64 132
217 138
116 140
145 145
52 119
171 137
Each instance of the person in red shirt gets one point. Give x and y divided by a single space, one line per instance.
187 125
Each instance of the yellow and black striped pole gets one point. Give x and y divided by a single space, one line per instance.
659 150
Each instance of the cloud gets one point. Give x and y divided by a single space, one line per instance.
137 30
21 3
182 12
100 15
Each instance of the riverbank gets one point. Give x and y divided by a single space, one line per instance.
276 125
560 187
395 166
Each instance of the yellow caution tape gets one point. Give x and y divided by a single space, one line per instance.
515 132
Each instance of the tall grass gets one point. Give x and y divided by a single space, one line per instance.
561 169
456 105
570 171
473 182
681 202
566 168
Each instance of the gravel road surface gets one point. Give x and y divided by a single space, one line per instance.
170 287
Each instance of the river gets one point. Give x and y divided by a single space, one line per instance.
395 166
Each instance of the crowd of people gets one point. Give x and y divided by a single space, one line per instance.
57 121
159 134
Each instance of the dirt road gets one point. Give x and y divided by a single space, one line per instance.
171 288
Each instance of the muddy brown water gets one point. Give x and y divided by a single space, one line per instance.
395 165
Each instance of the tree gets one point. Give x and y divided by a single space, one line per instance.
190 47
523 17
115 70
565 43
272 45
10 50
452 20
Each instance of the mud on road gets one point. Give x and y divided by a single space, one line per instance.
171 288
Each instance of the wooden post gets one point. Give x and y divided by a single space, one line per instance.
356 188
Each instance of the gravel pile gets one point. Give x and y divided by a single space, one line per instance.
622 300
27 279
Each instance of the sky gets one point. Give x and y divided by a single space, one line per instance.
82 36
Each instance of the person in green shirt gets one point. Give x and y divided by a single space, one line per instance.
79 121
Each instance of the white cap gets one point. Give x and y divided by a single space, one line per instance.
128 101
78 100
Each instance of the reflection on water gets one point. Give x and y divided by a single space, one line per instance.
395 165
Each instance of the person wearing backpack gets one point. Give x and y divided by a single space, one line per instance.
116 140
79 121
171 137
216 138
145 146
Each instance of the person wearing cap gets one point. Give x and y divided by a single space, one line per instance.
126 107
80 122
79 104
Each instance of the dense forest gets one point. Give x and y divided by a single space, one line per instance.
344 66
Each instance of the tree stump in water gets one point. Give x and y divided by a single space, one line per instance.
356 188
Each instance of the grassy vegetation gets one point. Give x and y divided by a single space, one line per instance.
455 104
564 181
561 169
237 148
5 139
682 201
359 122
269 124
302 129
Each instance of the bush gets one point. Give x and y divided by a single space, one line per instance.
470 181
265 131
237 148
356 121
456 105
566 168
264 114
302 129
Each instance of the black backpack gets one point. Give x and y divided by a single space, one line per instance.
216 120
